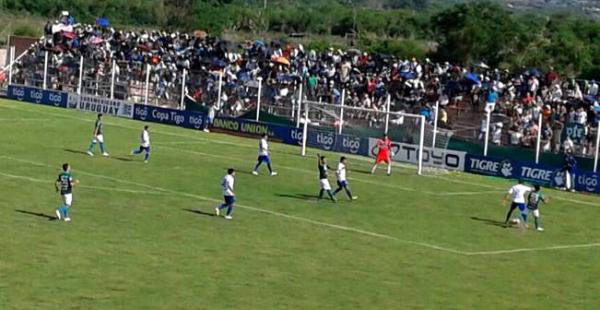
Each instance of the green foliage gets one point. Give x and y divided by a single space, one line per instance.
463 33
27 31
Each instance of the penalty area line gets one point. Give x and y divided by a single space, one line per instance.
123 190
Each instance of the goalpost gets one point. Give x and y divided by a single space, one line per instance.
355 130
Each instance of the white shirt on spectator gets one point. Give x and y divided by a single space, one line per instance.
581 117
515 137
568 144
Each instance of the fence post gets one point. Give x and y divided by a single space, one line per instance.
219 91
112 81
539 140
10 66
45 69
435 123
387 113
299 106
597 146
305 130
487 133
421 145
258 99
182 101
147 84
342 111
79 85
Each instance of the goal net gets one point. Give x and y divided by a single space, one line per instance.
355 130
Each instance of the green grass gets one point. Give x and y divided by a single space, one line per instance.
409 242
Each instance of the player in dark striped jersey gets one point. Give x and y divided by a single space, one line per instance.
323 181
64 184
98 137
533 200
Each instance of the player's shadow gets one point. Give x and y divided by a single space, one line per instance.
298 196
491 222
77 152
49 217
121 158
199 212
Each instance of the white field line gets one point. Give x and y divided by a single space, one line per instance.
23 119
352 229
21 177
78 171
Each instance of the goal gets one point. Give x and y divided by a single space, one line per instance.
355 130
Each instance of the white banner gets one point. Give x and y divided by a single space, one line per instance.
95 104
438 158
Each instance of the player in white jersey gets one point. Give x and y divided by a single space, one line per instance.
228 194
263 155
517 194
144 144
342 182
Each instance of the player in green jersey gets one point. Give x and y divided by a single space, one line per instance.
64 184
98 137
533 200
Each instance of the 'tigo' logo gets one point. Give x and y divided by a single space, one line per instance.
297 136
352 144
55 99
325 139
590 182
18 93
36 95
196 121
141 112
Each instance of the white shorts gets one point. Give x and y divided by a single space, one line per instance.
325 184
67 199
98 139
536 212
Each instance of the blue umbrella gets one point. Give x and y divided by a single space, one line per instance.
472 77
259 42
219 63
284 78
408 75
243 76
533 72
590 98
102 22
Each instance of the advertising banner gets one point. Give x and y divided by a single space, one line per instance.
530 172
193 120
437 158
587 182
105 106
39 96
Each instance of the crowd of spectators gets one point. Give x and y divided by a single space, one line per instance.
515 100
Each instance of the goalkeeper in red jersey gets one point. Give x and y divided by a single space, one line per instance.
384 153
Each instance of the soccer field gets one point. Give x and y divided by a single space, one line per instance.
143 236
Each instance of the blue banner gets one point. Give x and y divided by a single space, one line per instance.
39 96
193 120
587 182
330 141
530 172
